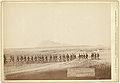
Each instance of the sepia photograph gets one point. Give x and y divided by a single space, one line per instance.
57 41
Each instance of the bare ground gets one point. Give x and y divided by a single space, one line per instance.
58 71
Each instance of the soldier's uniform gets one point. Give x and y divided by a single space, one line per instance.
18 59
67 57
98 56
92 56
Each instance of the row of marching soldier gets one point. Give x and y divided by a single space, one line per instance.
93 56
50 58
42 59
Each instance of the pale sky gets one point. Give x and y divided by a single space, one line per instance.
26 25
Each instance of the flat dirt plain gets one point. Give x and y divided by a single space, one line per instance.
57 70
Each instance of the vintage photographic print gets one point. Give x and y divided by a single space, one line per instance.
58 40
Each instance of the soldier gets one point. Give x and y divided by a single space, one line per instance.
46 59
21 58
42 58
98 56
74 56
11 58
79 56
71 57
39 58
25 58
92 56
31 58
60 58
5 59
50 58
67 57
95 56
35 58
18 59
82 55
28 59
86 56
55 58
64 57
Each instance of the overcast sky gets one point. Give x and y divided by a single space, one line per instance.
26 25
